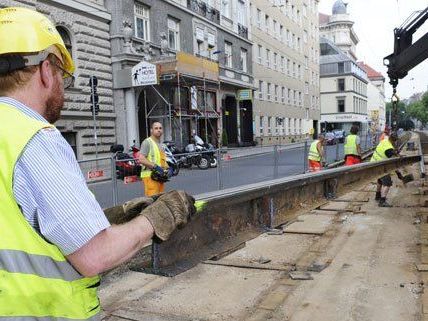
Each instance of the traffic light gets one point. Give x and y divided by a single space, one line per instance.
93 83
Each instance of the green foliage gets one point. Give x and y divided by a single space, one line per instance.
419 110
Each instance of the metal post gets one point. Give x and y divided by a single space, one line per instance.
219 170
114 181
147 116
179 110
305 157
337 151
275 161
95 135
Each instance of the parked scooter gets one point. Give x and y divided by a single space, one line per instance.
126 165
208 153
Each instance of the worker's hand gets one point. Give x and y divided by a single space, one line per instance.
171 210
131 209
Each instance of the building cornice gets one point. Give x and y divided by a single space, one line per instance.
86 8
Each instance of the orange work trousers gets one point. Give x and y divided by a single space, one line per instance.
152 187
314 166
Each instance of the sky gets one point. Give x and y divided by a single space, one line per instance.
375 21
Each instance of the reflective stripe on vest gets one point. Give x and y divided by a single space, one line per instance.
154 156
94 318
313 152
380 151
351 145
36 280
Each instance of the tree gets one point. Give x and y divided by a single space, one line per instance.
419 110
401 112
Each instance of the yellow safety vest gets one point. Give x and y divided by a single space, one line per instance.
155 156
36 280
351 145
313 152
379 153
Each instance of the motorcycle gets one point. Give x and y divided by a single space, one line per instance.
208 153
126 165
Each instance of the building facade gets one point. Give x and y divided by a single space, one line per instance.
376 106
343 90
202 55
286 70
338 28
84 27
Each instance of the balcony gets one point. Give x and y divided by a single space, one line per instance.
242 31
201 8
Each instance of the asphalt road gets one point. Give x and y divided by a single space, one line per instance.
235 172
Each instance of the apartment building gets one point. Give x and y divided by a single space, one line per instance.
84 27
202 53
285 69
343 90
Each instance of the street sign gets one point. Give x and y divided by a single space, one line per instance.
245 94
144 74
95 173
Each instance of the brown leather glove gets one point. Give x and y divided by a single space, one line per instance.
126 212
170 211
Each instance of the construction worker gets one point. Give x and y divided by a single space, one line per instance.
384 150
55 238
385 134
352 147
153 158
316 154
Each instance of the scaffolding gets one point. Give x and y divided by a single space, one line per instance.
186 71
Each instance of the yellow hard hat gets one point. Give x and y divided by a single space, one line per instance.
24 31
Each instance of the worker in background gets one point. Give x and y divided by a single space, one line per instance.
352 147
316 154
55 238
152 157
386 149
385 134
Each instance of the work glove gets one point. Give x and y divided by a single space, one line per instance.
131 209
170 211
158 169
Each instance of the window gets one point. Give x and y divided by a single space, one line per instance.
228 54
289 126
70 137
281 33
268 91
260 89
300 126
259 18
276 93
275 28
259 58
306 62
341 84
289 67
241 12
267 58
267 22
290 93
306 88
261 125
341 67
300 99
294 69
173 34
283 66
269 125
283 95
275 61
244 60
341 105
225 8
142 21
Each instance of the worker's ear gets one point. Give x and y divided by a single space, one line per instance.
47 74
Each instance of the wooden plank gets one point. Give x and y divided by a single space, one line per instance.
422 267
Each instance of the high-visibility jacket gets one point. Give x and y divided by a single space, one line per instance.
36 280
351 145
156 156
313 151
380 151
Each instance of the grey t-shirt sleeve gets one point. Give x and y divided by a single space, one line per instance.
145 148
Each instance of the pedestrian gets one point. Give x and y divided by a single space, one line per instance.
384 150
152 156
316 154
55 238
352 147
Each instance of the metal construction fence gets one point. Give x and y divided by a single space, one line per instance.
114 181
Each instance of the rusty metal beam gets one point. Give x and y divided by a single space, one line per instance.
235 215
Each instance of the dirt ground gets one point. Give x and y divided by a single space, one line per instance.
352 266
